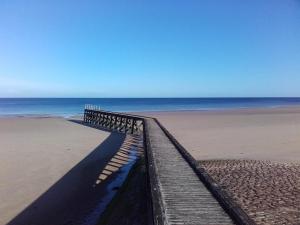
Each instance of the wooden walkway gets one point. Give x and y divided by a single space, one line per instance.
182 196
178 196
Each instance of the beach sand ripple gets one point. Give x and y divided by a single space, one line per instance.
269 192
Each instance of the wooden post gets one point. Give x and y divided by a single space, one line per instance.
132 126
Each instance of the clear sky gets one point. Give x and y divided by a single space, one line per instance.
154 48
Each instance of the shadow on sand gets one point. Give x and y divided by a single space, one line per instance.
74 198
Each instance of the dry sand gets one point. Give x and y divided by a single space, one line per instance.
260 134
37 152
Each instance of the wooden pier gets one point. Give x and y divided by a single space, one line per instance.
179 194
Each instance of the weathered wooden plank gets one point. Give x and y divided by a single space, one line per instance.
183 197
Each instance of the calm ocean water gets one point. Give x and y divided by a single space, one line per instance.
74 106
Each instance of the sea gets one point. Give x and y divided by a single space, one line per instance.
68 107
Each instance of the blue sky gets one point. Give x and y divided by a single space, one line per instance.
170 48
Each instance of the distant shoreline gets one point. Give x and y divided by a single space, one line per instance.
69 107
286 108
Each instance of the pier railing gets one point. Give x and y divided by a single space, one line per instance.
121 122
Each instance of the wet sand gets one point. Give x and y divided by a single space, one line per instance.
260 134
47 161
269 192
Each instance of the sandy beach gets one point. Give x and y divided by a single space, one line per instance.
260 134
52 166
52 156
254 155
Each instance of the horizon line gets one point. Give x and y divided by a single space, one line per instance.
148 97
